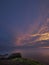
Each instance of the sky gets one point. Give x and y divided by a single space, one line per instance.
24 23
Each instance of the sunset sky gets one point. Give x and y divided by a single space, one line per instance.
24 23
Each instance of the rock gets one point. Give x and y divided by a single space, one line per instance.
14 55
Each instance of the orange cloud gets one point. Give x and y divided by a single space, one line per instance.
44 36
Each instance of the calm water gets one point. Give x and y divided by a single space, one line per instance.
40 54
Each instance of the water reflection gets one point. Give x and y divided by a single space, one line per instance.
40 54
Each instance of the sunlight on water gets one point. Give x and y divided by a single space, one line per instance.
40 54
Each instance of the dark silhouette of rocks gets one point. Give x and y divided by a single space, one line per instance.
14 55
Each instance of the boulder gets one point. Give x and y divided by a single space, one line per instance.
14 55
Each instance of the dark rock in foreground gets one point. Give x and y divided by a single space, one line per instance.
11 56
14 55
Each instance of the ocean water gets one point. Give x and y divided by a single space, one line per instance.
39 54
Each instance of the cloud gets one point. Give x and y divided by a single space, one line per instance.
38 30
44 36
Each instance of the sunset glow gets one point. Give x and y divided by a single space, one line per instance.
24 23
